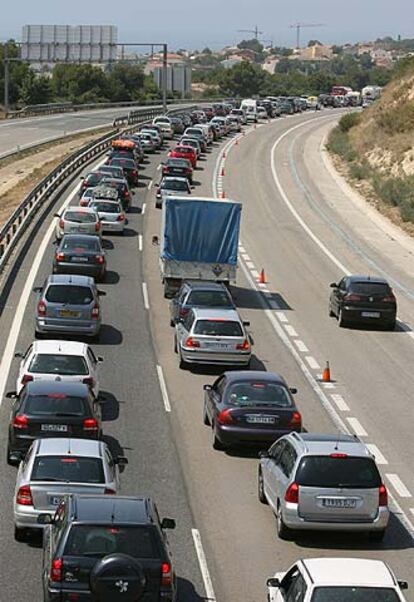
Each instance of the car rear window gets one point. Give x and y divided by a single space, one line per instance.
87 243
370 288
178 163
174 185
106 207
224 328
94 178
209 299
258 393
73 469
54 404
70 294
342 472
98 541
68 365
183 149
128 163
80 217
354 594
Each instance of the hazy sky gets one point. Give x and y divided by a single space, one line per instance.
195 24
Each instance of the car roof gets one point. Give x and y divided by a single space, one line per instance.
75 279
78 209
111 509
210 285
224 314
349 571
44 387
322 443
63 446
59 346
374 279
253 375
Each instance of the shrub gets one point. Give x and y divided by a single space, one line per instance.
340 144
407 211
348 121
360 171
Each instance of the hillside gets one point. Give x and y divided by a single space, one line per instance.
377 147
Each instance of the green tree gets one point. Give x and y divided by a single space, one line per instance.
252 44
243 79
35 89
314 43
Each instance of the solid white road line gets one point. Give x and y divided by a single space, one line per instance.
291 331
140 242
412 511
398 485
312 362
379 458
144 206
159 167
205 573
163 388
145 295
357 427
340 402
301 346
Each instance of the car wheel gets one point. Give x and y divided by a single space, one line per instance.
283 531
172 323
183 363
331 313
391 326
38 335
206 419
341 319
217 444
376 536
175 345
19 534
158 205
260 488
8 455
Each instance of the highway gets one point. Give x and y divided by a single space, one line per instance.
304 230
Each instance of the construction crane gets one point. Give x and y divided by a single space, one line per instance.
255 31
299 26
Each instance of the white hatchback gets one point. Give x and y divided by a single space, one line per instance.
68 361
78 220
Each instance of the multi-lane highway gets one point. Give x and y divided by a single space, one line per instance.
305 231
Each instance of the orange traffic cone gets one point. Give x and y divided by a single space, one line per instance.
326 374
222 171
223 195
262 277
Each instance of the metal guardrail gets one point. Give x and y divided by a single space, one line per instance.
18 222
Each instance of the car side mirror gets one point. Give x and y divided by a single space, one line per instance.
11 394
102 293
44 519
37 289
246 323
293 390
333 285
273 582
16 457
263 455
100 358
81 177
19 354
207 387
56 215
168 523
402 584
121 461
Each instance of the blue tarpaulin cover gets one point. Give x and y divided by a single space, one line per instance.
204 231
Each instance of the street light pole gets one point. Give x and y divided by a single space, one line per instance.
6 78
164 78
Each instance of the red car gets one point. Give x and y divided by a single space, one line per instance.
184 152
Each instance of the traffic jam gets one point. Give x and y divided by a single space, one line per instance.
101 545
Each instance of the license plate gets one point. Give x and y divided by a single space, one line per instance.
220 346
261 419
338 503
68 313
80 259
370 314
54 500
57 428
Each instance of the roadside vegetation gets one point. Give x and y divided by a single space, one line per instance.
377 145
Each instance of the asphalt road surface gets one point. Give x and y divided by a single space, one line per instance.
302 228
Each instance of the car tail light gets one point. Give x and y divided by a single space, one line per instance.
24 496
292 494
89 381
109 491
336 455
61 223
56 570
83 203
97 226
126 194
90 424
60 256
134 172
99 258
21 422
41 308
352 297
245 346
389 299
190 342
95 312
120 217
26 378
183 312
383 495
296 420
225 417
166 574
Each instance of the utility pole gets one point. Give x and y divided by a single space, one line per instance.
6 78
298 27
164 77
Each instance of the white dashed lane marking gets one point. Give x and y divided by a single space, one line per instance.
312 362
250 264
291 331
398 485
379 458
140 242
163 388
357 427
301 346
282 317
145 295
340 402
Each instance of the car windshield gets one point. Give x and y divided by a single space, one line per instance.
354 594
80 245
174 185
69 294
54 404
80 217
224 328
258 393
98 541
49 363
70 469
338 471
370 288
106 207
209 299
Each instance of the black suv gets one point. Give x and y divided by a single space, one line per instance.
51 409
107 548
363 299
